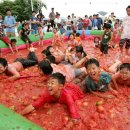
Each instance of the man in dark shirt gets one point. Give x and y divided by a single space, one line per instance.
99 22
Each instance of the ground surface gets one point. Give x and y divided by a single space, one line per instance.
111 114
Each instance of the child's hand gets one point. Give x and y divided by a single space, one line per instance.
114 92
75 121
109 96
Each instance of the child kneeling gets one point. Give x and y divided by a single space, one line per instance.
58 91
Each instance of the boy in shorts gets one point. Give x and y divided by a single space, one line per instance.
125 33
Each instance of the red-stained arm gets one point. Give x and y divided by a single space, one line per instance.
68 100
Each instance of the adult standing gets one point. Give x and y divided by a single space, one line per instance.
99 22
52 18
90 23
34 23
10 23
112 18
94 22
68 22
86 22
58 20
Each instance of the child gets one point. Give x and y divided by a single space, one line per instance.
58 91
97 81
13 44
24 32
72 42
18 65
123 76
58 54
106 39
125 33
70 71
116 36
83 36
77 38
97 42
56 40
40 33
5 39
77 56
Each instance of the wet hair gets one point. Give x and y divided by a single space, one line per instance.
46 52
71 34
48 48
3 62
51 58
107 26
80 49
13 40
60 77
45 66
128 7
77 34
125 65
96 38
92 61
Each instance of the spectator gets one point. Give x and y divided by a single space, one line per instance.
1 23
68 23
52 18
34 22
10 24
94 22
86 22
99 22
90 23
58 20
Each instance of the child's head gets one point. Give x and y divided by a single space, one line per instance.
107 26
79 51
45 67
54 30
77 34
3 65
51 58
71 36
56 83
25 25
50 49
125 71
128 10
93 68
45 53
13 42
96 39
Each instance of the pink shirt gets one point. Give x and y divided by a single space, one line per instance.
66 70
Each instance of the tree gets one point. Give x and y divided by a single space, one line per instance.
21 8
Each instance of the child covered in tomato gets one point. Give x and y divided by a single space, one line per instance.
58 91
97 81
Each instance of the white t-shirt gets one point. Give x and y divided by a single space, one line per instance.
126 28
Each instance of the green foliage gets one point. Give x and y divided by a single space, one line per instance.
20 8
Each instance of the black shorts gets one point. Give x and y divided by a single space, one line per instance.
123 41
104 48
30 61
25 39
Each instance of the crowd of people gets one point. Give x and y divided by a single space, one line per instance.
66 63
